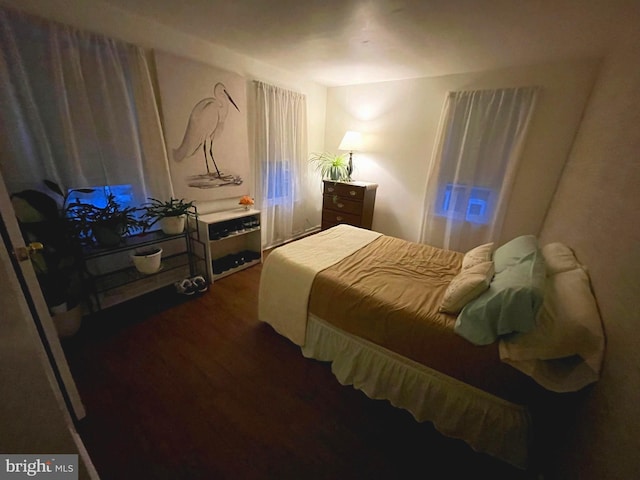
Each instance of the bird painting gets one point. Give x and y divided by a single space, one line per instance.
205 125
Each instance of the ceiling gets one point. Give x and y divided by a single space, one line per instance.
340 42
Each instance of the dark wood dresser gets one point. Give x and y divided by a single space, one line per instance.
348 202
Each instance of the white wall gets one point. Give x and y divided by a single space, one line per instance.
100 17
399 120
595 211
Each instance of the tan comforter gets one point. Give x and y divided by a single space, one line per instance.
289 271
389 292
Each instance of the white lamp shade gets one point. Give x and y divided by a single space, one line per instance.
352 141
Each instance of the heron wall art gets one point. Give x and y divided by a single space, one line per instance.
204 127
204 119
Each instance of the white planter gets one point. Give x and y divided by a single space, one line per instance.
67 322
147 261
172 225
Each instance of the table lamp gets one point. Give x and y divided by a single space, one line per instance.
352 141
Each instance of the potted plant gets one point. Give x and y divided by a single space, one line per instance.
147 260
106 225
331 166
171 214
42 219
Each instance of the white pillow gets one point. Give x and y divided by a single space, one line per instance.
559 258
568 323
477 255
466 286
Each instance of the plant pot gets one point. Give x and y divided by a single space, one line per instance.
335 174
147 261
67 322
172 225
108 235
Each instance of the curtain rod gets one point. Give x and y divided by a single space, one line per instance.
260 82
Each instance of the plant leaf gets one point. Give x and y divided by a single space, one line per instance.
53 186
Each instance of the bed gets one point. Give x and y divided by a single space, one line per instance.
467 341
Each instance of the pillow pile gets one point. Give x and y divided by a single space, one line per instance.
559 258
514 251
466 286
564 352
477 255
514 297
474 278
568 324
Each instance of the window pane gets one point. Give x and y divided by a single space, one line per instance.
464 202
278 181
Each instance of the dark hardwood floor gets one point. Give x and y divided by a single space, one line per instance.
197 388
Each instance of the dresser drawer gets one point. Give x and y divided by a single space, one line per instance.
344 190
341 204
331 217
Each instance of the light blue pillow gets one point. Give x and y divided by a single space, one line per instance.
510 304
513 251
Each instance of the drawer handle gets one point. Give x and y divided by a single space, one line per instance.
330 189
353 193
340 205
339 218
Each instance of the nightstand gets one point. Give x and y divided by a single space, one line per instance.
348 202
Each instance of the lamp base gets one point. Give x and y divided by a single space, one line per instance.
350 167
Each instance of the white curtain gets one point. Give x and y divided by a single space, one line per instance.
77 108
283 181
473 165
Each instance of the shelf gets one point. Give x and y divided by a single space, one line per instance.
113 279
131 243
145 284
128 275
228 235
217 276
233 214
236 234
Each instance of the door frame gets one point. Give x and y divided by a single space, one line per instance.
46 330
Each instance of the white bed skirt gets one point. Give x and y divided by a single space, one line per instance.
485 422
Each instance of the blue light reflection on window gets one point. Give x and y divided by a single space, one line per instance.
465 202
123 195
278 181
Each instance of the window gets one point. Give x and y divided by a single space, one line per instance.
122 193
465 202
473 167
281 152
77 108
277 182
